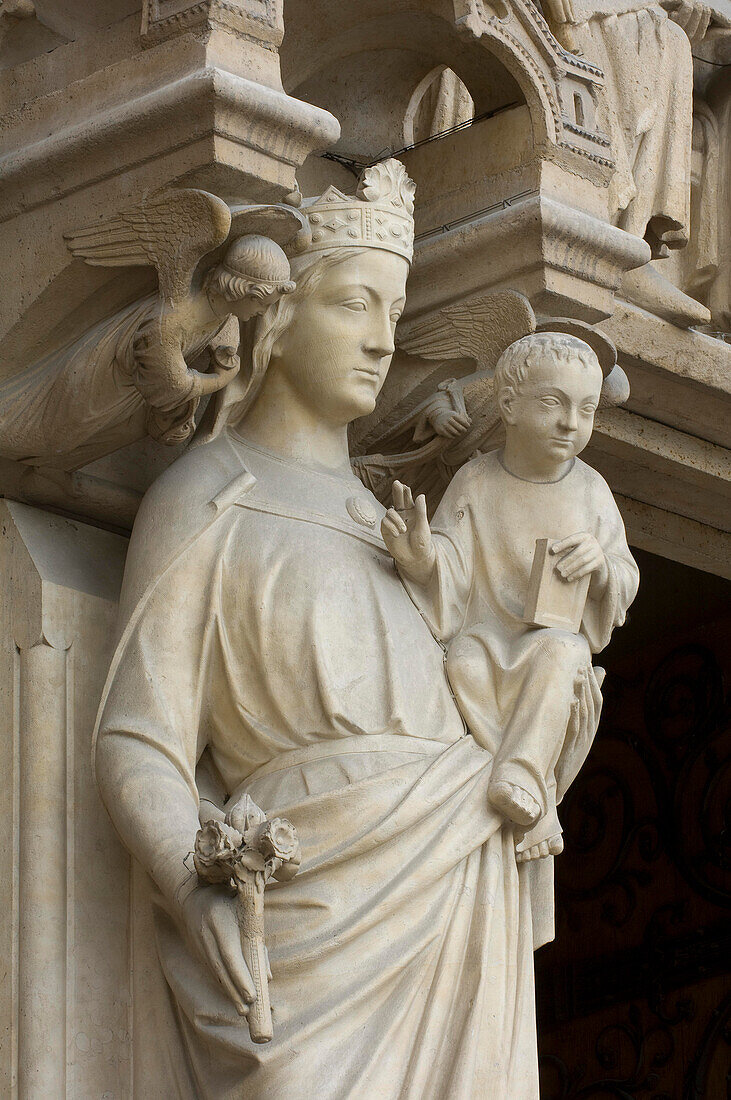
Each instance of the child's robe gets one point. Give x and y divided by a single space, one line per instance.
529 695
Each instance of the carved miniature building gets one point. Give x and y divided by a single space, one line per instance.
543 187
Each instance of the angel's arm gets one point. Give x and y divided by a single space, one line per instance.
443 413
161 373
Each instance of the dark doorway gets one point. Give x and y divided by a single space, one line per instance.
634 995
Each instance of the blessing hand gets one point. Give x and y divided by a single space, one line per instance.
581 555
406 533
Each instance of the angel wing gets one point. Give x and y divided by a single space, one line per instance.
480 329
169 230
281 222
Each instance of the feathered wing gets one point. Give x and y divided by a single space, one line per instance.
170 230
278 221
480 328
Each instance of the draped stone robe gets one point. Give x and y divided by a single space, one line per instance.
83 402
529 696
267 626
646 109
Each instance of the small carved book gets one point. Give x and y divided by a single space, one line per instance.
552 601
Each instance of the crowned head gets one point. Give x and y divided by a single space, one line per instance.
333 337
357 245
379 215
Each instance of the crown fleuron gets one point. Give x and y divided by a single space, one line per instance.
379 215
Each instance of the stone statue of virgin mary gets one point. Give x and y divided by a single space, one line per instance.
268 646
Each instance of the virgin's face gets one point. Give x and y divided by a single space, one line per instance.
337 350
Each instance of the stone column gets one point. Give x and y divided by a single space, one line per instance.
42 870
65 1015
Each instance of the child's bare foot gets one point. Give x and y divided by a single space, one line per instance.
544 839
514 802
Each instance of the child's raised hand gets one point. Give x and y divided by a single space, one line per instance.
406 533
581 554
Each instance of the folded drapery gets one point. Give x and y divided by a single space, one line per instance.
398 953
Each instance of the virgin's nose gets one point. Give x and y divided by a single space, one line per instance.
379 338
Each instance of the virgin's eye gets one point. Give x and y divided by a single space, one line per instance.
549 402
358 305
589 410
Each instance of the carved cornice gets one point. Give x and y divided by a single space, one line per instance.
600 139
256 20
203 104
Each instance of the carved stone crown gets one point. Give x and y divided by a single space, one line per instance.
379 215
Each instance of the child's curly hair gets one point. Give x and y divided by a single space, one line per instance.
515 363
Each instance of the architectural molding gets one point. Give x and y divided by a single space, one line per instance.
64 1003
259 20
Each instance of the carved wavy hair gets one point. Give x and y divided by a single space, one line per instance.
254 266
234 287
517 361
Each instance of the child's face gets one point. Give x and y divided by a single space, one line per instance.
551 417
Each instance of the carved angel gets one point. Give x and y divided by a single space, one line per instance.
137 372
444 422
173 231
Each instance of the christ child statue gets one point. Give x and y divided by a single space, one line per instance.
528 694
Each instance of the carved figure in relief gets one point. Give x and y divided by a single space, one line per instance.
644 50
269 649
646 60
530 696
135 373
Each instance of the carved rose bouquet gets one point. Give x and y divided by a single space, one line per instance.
278 839
217 847
245 851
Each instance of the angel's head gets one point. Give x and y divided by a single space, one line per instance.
548 387
253 275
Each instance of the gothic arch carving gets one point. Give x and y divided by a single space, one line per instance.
503 50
